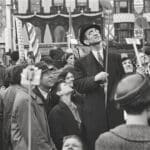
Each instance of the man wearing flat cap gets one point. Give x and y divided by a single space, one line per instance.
40 135
48 78
133 96
90 75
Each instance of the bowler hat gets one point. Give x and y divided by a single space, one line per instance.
83 29
133 89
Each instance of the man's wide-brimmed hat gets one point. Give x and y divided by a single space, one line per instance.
83 29
133 89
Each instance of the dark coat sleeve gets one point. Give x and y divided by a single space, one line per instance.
83 82
117 75
56 128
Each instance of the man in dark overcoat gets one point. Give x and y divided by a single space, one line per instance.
90 75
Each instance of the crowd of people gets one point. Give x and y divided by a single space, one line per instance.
78 103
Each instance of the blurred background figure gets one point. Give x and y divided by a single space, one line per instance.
72 142
127 64
145 61
69 60
146 50
30 58
56 55
14 57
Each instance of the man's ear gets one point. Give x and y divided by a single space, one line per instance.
86 42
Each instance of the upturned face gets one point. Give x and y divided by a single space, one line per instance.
127 65
49 77
71 60
72 144
69 79
92 36
65 89
144 59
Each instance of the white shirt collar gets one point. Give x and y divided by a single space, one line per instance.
95 54
43 93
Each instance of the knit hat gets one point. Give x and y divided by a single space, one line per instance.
133 89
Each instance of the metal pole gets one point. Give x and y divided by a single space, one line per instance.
29 108
106 62
29 118
8 35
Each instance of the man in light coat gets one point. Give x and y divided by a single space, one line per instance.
40 135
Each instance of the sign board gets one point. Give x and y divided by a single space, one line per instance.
138 33
138 6
133 40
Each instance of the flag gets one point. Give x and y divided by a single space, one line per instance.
71 35
33 42
20 39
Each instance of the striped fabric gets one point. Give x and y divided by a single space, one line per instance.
20 38
33 42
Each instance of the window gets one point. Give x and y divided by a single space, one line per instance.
123 6
147 5
124 30
35 6
116 7
82 2
58 2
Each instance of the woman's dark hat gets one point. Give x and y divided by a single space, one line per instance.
84 28
133 89
146 49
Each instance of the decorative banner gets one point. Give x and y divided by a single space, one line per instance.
33 41
20 39
138 6
56 15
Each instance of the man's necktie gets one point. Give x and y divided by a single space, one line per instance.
76 115
100 58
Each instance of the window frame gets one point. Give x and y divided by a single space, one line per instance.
120 29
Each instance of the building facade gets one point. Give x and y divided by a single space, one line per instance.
51 18
131 18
